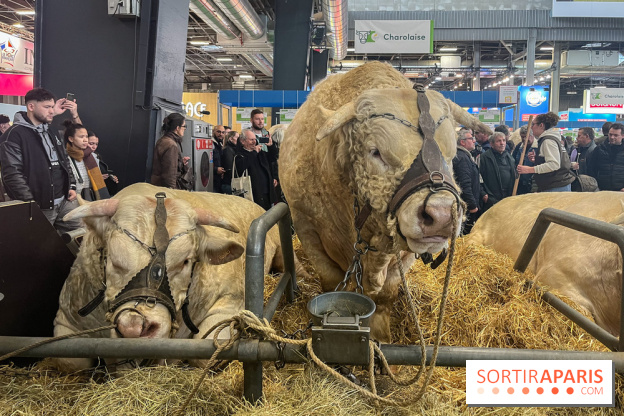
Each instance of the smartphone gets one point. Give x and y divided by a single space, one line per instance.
70 97
263 140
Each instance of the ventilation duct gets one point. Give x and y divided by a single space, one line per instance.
213 17
243 15
260 62
337 19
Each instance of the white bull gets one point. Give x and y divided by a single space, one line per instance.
198 235
334 150
585 269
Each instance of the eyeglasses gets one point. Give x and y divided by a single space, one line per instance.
184 126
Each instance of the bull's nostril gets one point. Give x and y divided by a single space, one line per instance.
150 330
427 219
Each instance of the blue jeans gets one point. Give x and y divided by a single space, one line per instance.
567 188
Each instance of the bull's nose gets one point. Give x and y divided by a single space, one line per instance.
436 219
130 324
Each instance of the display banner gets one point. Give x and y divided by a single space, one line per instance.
604 100
394 36
507 94
588 8
287 115
16 55
533 101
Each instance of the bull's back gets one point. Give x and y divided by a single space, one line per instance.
506 226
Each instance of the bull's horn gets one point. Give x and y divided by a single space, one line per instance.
208 218
104 208
462 117
338 119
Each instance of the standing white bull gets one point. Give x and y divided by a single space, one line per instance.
356 136
584 268
203 261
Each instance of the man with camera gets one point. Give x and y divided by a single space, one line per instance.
34 161
251 158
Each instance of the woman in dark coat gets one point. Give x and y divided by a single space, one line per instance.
169 166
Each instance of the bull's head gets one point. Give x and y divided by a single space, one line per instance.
376 152
148 263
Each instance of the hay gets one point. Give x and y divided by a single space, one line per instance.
489 306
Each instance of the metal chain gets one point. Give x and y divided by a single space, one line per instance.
361 247
406 123
298 334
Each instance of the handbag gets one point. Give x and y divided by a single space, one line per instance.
186 181
241 185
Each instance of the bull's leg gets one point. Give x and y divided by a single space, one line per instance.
386 299
330 272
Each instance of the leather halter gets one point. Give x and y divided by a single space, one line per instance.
428 170
150 284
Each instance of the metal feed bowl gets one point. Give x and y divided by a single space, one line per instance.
341 304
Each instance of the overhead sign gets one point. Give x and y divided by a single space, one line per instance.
604 100
287 115
507 94
588 8
16 55
393 36
533 101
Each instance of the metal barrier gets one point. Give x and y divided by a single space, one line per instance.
254 286
247 350
600 229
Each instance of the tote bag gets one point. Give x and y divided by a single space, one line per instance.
241 185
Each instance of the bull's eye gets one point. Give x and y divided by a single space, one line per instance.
375 153
187 261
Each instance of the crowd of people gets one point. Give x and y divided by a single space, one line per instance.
37 166
252 151
488 171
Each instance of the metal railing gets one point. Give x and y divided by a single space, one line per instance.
254 285
596 228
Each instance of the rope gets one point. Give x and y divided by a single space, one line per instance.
50 340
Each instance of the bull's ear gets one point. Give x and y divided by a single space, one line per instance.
205 217
337 119
219 250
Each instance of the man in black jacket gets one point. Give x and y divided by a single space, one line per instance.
585 147
467 177
251 158
606 163
35 165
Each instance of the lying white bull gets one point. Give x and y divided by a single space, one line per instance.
203 261
585 269
344 142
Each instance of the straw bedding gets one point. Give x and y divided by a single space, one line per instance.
488 306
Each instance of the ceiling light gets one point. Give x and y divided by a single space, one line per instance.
511 76
571 93
224 59
25 12
547 48
19 25
600 86
247 76
350 49
448 49
460 75
200 42
438 78
548 76
506 79
541 78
